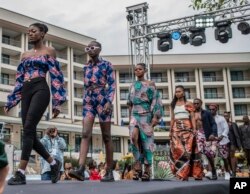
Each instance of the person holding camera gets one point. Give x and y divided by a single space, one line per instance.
55 146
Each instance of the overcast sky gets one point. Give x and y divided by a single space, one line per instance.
106 21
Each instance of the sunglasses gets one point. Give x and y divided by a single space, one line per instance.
91 48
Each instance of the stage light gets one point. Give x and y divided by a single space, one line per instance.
129 17
223 31
184 39
165 42
244 27
176 35
197 36
204 21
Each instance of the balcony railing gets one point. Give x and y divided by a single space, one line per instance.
191 95
126 80
10 61
78 113
212 78
61 55
79 60
78 77
241 95
240 78
159 79
78 95
164 96
64 110
185 79
241 113
11 41
124 114
214 95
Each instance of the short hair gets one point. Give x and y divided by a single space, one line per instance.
42 27
214 105
198 99
98 43
142 64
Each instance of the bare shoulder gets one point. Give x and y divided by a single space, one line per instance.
26 54
51 51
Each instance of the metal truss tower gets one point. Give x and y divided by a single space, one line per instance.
141 33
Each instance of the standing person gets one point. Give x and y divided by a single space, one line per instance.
185 159
235 143
97 100
32 90
4 168
55 145
145 110
223 141
206 133
245 136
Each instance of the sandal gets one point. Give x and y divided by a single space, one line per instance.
145 176
137 171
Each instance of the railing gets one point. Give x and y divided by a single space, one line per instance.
159 79
164 96
78 95
10 61
64 110
214 95
185 79
212 78
124 114
241 113
65 73
79 60
78 113
78 77
122 97
241 95
240 78
11 41
126 80
61 55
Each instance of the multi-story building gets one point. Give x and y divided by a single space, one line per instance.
222 78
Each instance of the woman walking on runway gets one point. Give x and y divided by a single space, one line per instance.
32 90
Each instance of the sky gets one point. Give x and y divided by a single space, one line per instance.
106 21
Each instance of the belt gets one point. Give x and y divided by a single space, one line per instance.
33 79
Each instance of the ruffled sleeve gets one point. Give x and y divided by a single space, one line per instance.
111 83
57 83
189 107
156 105
16 95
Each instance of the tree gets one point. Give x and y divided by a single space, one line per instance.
212 5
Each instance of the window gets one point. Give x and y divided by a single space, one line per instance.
124 112
124 94
125 78
237 76
5 78
6 134
187 93
156 77
210 93
182 76
116 144
5 59
239 92
209 76
78 140
65 136
6 39
39 135
240 109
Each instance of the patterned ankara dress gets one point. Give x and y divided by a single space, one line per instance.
185 159
146 104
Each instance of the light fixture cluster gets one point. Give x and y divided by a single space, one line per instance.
196 35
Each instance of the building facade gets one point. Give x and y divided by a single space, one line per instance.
215 78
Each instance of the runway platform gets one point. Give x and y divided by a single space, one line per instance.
121 187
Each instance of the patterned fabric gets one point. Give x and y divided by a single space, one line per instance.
146 104
206 147
33 67
96 94
223 151
185 159
55 148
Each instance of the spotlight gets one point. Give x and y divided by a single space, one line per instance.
204 21
197 36
223 31
176 35
165 42
129 17
184 39
244 27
